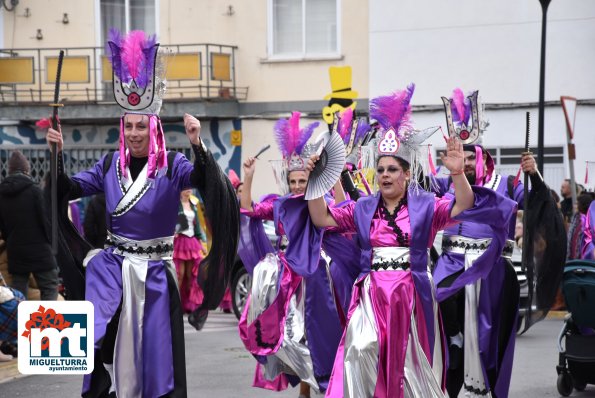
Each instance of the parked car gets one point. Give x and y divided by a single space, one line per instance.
517 256
241 280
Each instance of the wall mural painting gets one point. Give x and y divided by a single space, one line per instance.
216 135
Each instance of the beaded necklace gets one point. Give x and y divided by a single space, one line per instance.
391 219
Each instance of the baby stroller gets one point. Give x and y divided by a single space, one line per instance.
576 367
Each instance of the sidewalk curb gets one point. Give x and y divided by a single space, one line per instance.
9 371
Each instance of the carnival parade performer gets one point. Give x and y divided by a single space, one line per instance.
189 250
479 299
290 321
391 346
338 248
139 336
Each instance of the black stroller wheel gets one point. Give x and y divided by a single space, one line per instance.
578 384
564 384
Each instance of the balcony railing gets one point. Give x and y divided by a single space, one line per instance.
193 71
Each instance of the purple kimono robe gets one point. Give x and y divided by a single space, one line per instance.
394 293
322 318
495 352
144 362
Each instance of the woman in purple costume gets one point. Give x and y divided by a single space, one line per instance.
392 345
138 324
290 322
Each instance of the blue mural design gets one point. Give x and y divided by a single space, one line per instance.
216 135
91 135
113 136
8 138
29 132
235 162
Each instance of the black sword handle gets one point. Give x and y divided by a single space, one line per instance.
526 195
54 158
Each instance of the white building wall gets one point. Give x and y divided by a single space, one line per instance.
507 130
493 47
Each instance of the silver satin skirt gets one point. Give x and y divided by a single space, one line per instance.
293 357
361 343
474 380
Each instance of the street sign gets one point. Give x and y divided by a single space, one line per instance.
569 107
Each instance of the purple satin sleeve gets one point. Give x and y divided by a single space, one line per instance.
182 168
588 248
345 267
519 195
262 210
75 216
91 180
494 210
305 239
253 243
442 218
440 185
343 215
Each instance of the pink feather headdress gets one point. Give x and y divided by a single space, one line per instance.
133 56
292 140
394 111
138 89
397 137
461 107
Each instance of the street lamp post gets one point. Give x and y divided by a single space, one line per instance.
540 138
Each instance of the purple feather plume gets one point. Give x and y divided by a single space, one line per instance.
361 131
393 110
115 43
289 137
133 56
149 50
460 107
306 133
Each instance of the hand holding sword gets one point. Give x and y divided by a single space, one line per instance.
56 142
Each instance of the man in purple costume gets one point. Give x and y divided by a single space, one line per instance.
495 317
139 334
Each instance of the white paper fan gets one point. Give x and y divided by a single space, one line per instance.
329 167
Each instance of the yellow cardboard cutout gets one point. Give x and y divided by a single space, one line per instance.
340 83
341 90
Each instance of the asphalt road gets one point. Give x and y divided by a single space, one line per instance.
218 366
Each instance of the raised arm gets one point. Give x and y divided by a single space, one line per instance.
317 207
339 192
85 183
454 162
246 197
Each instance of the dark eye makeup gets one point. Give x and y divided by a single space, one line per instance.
391 169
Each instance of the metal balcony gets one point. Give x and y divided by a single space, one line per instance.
193 71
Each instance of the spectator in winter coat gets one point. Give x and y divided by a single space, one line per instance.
24 226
